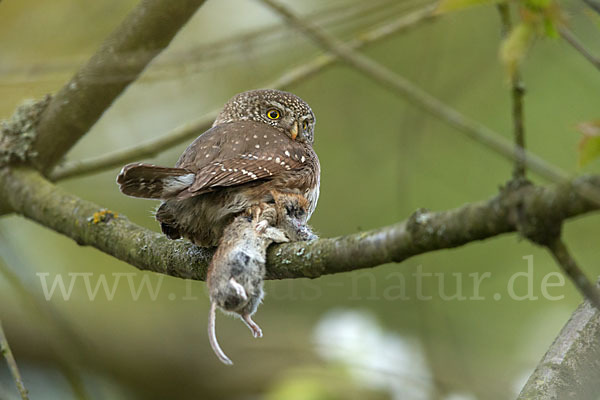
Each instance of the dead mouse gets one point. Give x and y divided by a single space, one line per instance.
236 272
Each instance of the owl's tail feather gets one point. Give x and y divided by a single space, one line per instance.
152 182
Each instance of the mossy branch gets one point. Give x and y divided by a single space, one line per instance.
32 196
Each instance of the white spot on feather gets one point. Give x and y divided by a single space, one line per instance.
178 183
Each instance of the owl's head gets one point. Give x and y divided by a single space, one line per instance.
284 111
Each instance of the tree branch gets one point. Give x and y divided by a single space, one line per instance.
571 269
517 92
88 224
570 368
190 130
64 354
577 45
12 364
146 31
135 153
29 194
593 4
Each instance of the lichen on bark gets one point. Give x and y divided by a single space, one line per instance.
18 133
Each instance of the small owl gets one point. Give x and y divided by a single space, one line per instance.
260 142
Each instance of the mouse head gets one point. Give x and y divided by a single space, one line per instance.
292 215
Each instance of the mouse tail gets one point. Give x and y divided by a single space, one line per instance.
212 335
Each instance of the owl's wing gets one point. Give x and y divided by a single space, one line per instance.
238 153
247 168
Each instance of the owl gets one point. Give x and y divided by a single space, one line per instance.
260 143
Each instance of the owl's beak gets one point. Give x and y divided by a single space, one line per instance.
294 130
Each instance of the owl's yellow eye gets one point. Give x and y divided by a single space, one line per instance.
305 126
273 114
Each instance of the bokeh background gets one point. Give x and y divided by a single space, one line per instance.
343 336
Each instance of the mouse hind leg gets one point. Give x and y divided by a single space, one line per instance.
256 331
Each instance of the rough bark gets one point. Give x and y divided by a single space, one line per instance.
570 369
32 196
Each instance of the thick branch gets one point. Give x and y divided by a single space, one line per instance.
29 194
190 130
6 353
146 31
36 198
570 369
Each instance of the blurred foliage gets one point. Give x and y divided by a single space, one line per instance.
514 47
445 6
381 157
589 145
537 18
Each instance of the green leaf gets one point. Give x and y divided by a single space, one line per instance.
515 46
589 145
445 6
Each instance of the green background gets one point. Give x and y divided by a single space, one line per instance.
381 157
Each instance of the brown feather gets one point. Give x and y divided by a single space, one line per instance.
152 182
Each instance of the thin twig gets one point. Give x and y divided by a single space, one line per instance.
12 364
144 150
571 269
65 354
400 85
179 135
472 129
517 93
577 45
217 52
